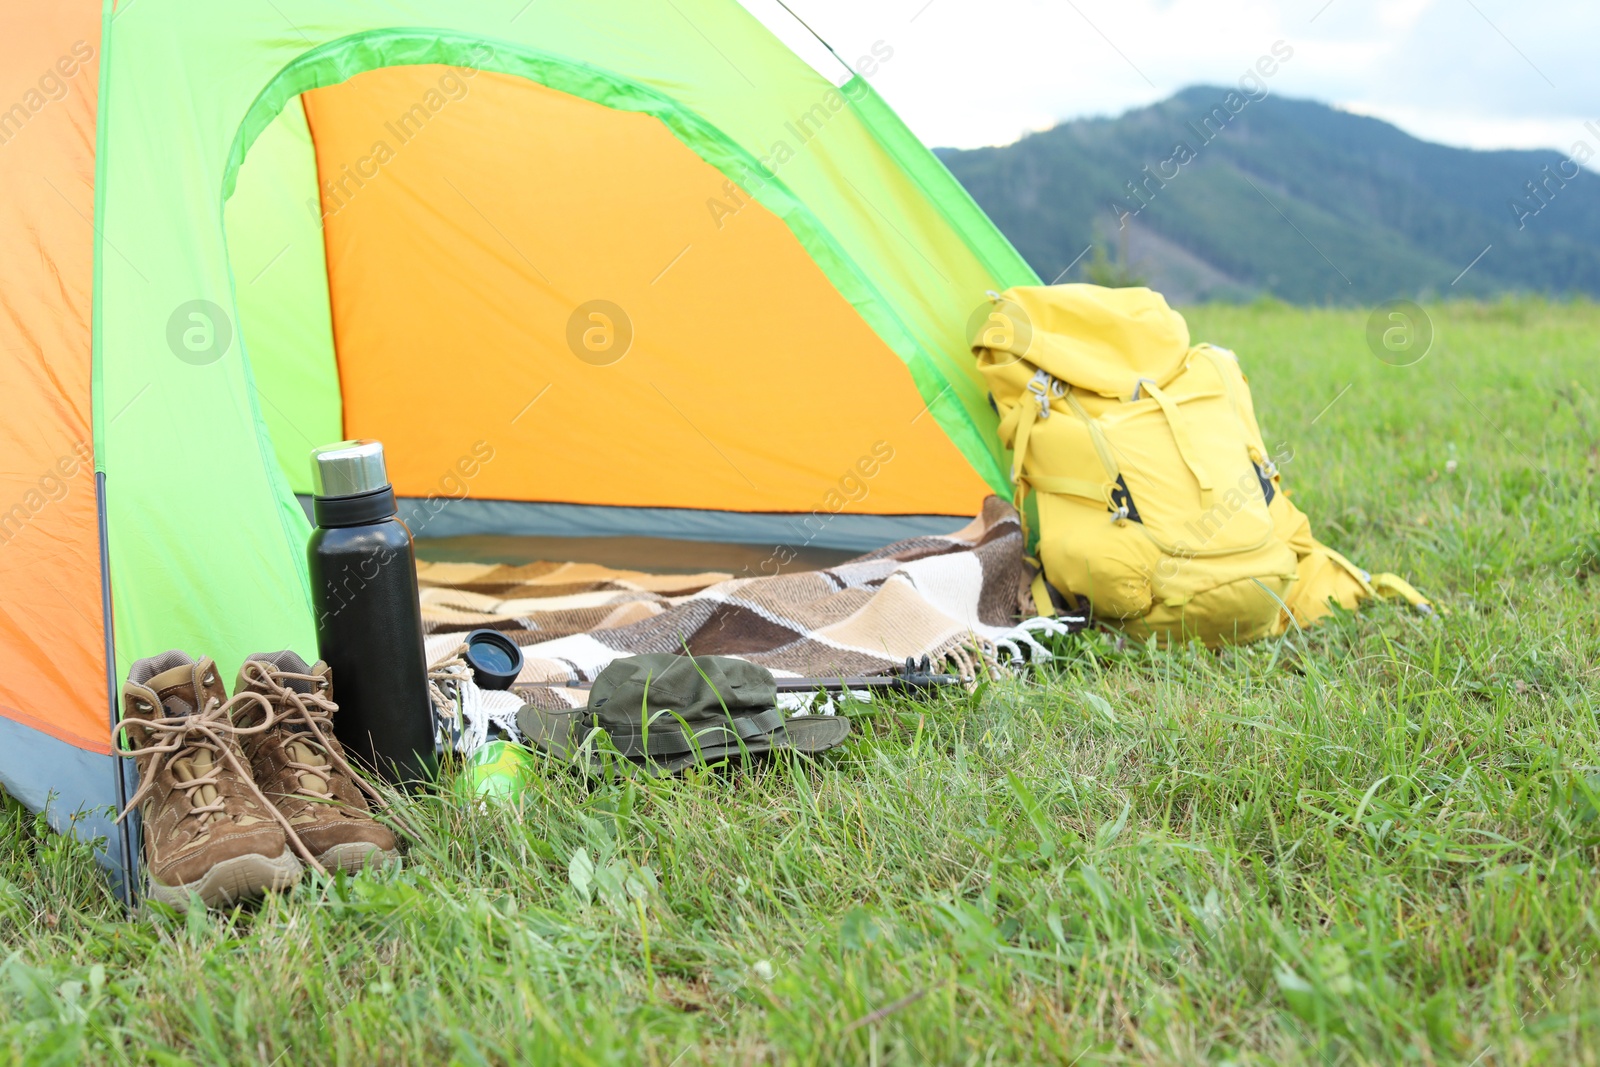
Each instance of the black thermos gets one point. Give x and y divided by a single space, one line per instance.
369 615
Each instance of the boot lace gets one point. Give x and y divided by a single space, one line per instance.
308 720
176 739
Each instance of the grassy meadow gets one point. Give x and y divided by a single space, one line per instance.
1374 843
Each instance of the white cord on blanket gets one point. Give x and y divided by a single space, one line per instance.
1021 645
463 712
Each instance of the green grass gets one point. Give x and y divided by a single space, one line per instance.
1374 843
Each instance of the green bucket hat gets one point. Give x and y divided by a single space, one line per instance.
674 711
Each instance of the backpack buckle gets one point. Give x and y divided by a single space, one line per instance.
1043 387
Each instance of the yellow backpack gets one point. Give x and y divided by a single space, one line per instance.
1157 500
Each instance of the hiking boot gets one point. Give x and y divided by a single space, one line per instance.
207 829
301 766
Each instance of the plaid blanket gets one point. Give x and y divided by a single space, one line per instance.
954 599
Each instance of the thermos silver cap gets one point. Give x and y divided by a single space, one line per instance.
348 468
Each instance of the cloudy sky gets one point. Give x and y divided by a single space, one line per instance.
1476 73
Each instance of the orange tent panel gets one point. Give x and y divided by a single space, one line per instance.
573 287
52 634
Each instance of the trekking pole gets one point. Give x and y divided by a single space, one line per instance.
917 676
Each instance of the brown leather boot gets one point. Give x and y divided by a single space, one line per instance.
207 829
302 767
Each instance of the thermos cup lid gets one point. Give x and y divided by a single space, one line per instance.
348 468
495 659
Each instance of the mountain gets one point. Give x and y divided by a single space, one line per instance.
1213 195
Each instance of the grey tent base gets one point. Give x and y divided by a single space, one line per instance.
77 791
451 517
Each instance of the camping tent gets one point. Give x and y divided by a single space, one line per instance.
610 267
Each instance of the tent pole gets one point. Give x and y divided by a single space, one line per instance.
123 831
818 36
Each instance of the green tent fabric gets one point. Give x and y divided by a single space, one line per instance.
208 80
